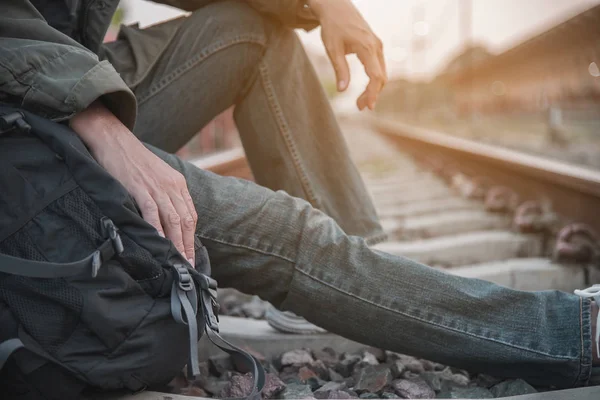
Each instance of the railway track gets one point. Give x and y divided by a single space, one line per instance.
470 209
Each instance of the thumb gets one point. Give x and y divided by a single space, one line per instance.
340 65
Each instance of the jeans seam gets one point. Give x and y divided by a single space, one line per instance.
247 247
198 58
287 137
585 366
429 322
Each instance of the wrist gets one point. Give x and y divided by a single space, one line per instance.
98 127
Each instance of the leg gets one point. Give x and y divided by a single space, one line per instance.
282 249
225 54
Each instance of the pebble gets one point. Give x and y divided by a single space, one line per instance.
513 387
369 374
327 355
220 365
334 394
397 369
296 391
296 357
457 392
372 379
413 389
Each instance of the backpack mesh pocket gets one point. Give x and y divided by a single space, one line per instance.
48 309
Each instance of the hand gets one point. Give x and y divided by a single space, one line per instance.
344 31
160 191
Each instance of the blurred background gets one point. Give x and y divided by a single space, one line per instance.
524 74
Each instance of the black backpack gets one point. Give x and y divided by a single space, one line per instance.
91 296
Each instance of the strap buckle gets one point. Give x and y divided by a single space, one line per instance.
208 287
184 278
112 232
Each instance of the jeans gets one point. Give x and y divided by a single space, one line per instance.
304 255
226 54
287 252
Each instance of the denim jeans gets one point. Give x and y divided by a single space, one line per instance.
226 54
287 252
311 256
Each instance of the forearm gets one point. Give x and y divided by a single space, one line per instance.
102 131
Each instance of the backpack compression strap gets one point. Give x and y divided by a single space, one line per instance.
184 297
44 269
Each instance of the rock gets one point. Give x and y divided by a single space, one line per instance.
428 365
211 384
412 364
378 353
413 389
296 391
296 357
372 379
487 381
397 369
367 395
334 376
449 375
332 386
346 366
433 380
460 372
335 394
220 365
306 373
327 355
350 381
513 387
240 386
273 387
320 369
369 359
289 374
457 392
388 395
315 383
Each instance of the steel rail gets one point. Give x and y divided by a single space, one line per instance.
573 191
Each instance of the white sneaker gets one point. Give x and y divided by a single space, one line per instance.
288 322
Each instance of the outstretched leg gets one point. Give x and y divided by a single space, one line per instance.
291 254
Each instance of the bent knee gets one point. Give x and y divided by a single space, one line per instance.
226 23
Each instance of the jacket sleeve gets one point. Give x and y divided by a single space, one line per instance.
291 13
50 74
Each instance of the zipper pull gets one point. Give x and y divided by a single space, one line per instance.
13 120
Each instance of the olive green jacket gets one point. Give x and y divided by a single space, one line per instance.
49 73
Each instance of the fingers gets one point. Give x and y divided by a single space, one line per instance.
173 215
371 56
171 221
337 55
149 211
189 225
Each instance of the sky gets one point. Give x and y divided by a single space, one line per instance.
497 24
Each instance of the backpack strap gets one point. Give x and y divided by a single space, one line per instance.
208 302
44 269
243 359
